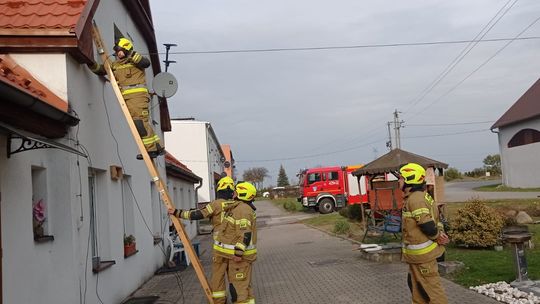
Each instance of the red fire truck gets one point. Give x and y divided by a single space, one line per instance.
330 188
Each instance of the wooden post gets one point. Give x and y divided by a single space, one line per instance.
151 167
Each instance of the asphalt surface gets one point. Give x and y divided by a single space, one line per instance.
463 191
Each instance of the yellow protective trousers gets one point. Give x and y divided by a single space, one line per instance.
137 104
425 284
239 277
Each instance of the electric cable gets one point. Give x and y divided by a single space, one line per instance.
359 46
468 48
449 124
178 278
477 68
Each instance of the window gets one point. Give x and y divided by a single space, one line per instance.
333 175
99 219
40 206
524 137
158 217
128 207
314 177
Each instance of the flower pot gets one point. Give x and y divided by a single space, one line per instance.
129 249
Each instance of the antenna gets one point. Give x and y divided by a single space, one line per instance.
167 61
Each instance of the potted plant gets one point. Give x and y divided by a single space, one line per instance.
38 218
129 245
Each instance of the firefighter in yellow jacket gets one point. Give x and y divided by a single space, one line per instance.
423 240
235 236
128 69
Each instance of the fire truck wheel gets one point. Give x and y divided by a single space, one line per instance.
326 205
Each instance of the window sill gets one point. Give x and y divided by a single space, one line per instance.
103 265
43 238
130 254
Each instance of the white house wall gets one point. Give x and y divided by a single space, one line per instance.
520 165
187 141
183 195
59 271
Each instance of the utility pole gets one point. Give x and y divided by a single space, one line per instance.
389 142
397 126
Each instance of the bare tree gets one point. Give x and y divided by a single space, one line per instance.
256 176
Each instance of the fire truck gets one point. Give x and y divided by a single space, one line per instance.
327 189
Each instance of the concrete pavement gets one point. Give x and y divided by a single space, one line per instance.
297 264
463 191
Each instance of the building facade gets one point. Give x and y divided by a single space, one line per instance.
196 145
66 212
518 130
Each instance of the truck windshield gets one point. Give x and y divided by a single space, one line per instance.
314 177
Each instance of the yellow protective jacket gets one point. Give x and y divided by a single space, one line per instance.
129 73
234 227
418 247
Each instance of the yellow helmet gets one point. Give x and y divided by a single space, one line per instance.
413 174
245 191
225 183
123 43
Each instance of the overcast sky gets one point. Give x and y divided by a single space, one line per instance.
331 107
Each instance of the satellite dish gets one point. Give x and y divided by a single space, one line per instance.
165 84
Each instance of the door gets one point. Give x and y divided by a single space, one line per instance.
314 183
333 182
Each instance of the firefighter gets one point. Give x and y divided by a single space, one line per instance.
128 69
234 237
423 240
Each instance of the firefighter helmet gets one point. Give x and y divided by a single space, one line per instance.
245 191
225 183
413 174
123 44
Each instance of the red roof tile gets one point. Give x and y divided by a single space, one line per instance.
18 77
40 14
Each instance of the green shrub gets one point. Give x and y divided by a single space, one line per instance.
355 212
451 174
476 225
342 227
344 212
292 205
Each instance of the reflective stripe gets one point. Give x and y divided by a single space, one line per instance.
230 219
420 211
135 90
150 140
136 58
419 249
123 66
243 223
240 246
209 208
251 301
229 249
406 214
218 294
185 215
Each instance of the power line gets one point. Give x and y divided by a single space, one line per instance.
448 134
468 48
450 124
479 67
360 46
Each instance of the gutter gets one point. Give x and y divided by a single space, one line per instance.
36 105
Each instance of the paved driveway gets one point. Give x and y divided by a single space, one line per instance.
297 264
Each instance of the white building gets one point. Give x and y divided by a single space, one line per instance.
180 181
47 91
196 145
519 140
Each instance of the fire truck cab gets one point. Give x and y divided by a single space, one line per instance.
327 189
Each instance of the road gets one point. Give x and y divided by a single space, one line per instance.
463 191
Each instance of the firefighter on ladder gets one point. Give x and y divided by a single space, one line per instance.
235 237
128 69
423 239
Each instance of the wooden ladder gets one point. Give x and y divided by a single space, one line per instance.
151 167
